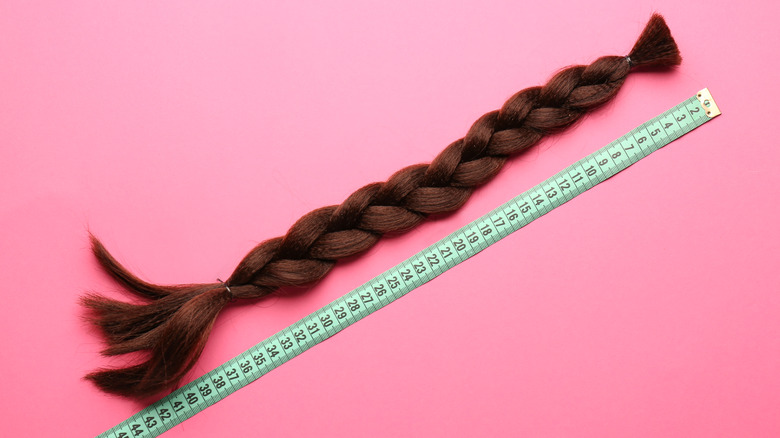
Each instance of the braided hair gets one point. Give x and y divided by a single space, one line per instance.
174 323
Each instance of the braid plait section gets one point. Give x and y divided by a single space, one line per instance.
313 244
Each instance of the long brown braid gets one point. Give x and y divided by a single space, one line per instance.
175 323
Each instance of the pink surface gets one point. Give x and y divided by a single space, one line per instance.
184 134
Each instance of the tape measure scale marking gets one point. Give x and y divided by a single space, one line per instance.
418 269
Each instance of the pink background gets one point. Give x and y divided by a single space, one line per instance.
184 133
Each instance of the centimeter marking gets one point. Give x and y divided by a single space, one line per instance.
422 267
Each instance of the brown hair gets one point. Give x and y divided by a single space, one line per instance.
172 328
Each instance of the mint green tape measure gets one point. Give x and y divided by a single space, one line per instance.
418 269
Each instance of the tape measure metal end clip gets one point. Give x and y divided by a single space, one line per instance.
708 103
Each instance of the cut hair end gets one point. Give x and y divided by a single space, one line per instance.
655 47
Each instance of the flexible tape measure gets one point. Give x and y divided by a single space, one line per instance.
422 267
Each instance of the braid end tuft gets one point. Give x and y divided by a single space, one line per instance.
655 46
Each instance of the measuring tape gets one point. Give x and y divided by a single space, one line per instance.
417 270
